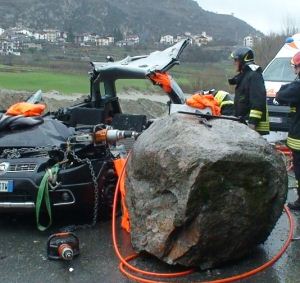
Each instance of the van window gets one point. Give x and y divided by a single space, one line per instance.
279 70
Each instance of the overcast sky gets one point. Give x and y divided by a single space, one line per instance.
264 15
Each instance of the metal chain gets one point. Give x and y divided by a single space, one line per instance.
18 152
14 153
10 153
96 189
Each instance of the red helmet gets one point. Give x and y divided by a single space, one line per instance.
296 59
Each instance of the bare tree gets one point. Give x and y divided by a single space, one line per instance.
290 26
268 46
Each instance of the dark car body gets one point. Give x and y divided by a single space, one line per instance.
86 176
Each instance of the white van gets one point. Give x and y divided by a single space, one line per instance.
277 73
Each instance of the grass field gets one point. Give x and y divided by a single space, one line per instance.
190 77
193 77
20 78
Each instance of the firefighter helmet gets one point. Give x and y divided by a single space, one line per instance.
296 59
243 54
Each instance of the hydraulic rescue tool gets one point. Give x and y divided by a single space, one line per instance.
63 246
104 135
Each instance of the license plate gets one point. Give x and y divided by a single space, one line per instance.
6 186
276 119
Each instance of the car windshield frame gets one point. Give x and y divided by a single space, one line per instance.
279 70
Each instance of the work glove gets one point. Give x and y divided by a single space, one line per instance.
232 81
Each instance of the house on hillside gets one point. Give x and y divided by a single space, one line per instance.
46 35
88 38
129 40
111 39
202 39
180 37
167 39
132 39
24 31
39 35
51 35
2 31
250 40
102 41
186 35
10 47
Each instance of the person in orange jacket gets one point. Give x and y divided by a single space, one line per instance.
225 102
220 101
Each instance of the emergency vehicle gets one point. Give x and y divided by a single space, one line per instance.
277 73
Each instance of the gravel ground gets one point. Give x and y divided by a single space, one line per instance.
134 102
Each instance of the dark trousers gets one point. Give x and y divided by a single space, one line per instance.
296 164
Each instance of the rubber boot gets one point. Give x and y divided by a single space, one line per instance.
296 204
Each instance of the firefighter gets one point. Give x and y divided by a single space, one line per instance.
250 92
290 94
225 102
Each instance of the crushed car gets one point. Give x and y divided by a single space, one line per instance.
64 160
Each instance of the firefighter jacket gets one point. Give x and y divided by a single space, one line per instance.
290 93
250 98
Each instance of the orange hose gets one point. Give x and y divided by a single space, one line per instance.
124 261
288 156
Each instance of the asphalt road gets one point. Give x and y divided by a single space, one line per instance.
23 257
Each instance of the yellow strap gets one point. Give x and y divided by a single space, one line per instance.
293 109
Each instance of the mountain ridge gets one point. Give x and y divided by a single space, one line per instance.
148 19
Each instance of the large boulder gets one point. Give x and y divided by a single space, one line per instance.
200 195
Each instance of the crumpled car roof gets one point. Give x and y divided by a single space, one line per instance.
141 66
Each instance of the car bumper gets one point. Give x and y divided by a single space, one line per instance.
75 188
279 118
